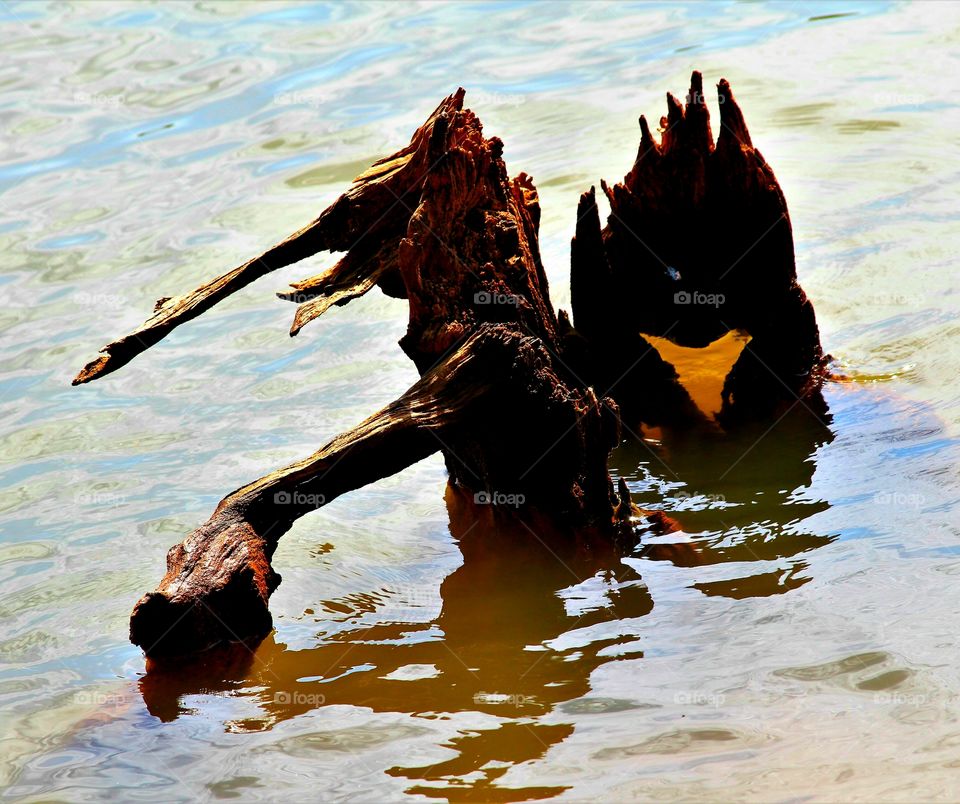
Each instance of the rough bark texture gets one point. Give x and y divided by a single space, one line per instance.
698 242
219 579
507 389
442 224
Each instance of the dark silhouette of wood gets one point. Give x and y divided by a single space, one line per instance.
698 242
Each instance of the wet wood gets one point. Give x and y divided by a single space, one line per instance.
357 273
517 429
219 578
522 405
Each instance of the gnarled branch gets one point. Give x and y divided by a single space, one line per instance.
219 578
371 209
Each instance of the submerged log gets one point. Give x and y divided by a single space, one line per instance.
521 405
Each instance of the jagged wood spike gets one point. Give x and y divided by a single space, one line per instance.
733 128
693 218
314 308
647 143
697 117
590 278
673 133
353 276
342 275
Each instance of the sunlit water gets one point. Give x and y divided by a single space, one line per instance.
797 639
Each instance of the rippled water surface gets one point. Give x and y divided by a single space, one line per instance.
797 639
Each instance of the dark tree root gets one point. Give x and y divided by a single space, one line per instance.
523 406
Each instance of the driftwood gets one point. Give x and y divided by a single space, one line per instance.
520 403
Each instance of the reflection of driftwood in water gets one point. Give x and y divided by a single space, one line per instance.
502 599
507 390
743 494
499 603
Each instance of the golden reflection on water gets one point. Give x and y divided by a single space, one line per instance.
702 371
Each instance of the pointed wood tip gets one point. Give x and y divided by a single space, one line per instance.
93 369
648 145
696 88
646 138
731 117
314 308
298 322
609 193
697 116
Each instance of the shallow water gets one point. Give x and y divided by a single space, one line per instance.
805 648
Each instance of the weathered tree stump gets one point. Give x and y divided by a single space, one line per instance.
507 388
698 242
